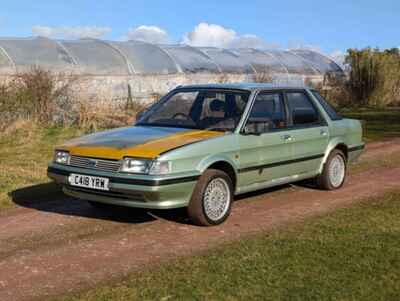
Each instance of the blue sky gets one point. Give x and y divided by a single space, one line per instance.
329 26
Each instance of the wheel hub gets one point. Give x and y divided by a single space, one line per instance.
216 199
337 171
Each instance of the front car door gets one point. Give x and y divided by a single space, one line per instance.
308 135
263 140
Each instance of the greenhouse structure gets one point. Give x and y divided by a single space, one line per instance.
116 68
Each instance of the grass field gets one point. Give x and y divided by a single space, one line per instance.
352 254
378 124
25 152
24 155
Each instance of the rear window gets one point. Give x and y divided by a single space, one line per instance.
327 107
301 109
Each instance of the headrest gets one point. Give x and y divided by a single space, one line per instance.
217 105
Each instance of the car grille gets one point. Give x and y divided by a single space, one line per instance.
96 164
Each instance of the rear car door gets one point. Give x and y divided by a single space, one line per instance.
308 135
263 140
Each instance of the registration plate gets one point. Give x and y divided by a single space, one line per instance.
88 181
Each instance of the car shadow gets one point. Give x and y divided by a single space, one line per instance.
48 197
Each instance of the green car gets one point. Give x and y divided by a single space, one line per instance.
202 144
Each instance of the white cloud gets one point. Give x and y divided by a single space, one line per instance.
214 35
205 34
151 34
77 32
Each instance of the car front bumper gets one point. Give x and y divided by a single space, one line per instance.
142 191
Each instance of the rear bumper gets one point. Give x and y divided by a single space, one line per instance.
142 191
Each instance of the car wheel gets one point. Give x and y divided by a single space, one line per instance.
334 172
211 199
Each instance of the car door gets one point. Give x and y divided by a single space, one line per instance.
308 135
263 140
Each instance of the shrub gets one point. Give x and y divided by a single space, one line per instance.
374 78
53 99
33 95
263 77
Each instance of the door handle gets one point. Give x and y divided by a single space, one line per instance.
287 137
323 133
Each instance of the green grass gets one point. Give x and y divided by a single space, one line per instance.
24 155
378 124
352 254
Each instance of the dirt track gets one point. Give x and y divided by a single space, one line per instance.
53 245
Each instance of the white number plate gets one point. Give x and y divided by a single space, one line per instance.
88 181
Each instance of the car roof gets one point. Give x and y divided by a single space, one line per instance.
244 86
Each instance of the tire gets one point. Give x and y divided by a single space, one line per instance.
333 177
212 181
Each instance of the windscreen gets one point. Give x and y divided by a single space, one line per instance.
217 110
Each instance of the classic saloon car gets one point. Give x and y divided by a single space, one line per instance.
202 144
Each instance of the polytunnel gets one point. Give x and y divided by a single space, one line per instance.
100 57
119 69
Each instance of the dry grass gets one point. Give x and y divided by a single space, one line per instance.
25 151
263 77
41 97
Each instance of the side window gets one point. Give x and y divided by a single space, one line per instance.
213 106
301 110
327 107
268 113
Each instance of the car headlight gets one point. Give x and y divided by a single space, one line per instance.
145 166
134 165
160 167
61 157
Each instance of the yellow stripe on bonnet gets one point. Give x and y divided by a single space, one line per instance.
146 150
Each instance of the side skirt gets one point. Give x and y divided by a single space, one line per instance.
275 182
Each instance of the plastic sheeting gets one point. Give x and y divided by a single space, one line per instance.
97 57
319 61
147 58
191 60
40 51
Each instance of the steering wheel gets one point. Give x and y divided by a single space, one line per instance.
181 114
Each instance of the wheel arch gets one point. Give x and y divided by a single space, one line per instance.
334 144
221 163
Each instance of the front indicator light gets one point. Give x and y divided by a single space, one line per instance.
160 168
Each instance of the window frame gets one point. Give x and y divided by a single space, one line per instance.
321 118
339 117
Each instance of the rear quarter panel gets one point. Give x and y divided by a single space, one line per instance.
345 131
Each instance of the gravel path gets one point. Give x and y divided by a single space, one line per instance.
51 247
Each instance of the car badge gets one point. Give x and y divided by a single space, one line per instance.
92 163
